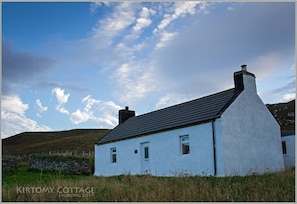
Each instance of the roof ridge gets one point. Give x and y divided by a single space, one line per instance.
183 103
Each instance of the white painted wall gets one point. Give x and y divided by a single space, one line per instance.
165 154
251 136
289 158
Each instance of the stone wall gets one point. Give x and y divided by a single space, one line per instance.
64 164
9 162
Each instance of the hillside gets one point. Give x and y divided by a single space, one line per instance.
285 115
37 142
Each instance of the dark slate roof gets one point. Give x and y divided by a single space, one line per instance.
185 114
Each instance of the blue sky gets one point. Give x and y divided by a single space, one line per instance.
74 65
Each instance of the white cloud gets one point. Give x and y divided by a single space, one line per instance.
142 23
94 6
61 96
146 12
187 7
134 81
110 30
100 112
165 38
171 99
62 99
181 9
41 108
14 124
13 103
13 118
80 116
144 19
122 17
288 97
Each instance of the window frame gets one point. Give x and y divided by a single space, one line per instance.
185 144
113 155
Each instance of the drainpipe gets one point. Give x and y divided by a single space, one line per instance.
214 148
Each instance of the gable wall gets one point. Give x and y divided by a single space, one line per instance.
165 154
251 140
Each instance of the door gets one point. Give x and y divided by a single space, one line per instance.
145 158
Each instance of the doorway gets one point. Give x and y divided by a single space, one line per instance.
145 158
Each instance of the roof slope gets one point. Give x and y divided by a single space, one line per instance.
185 114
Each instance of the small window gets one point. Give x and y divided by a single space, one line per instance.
146 152
185 144
113 155
284 147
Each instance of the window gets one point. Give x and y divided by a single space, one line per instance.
185 144
146 152
284 147
113 155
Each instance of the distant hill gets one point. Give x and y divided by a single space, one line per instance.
285 115
84 139
37 142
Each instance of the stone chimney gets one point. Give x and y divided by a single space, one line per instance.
125 114
244 80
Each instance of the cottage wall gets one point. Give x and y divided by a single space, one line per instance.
165 157
251 140
289 156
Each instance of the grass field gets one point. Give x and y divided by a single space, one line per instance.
24 184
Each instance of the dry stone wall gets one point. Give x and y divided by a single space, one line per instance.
9 163
64 164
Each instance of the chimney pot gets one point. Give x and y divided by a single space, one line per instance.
243 67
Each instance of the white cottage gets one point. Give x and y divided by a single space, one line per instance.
223 134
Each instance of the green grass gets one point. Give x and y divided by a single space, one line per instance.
269 187
26 176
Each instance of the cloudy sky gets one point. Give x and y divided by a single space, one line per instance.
74 65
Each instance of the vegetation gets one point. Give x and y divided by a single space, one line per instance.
269 187
284 113
77 140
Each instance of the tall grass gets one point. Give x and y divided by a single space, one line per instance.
269 187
